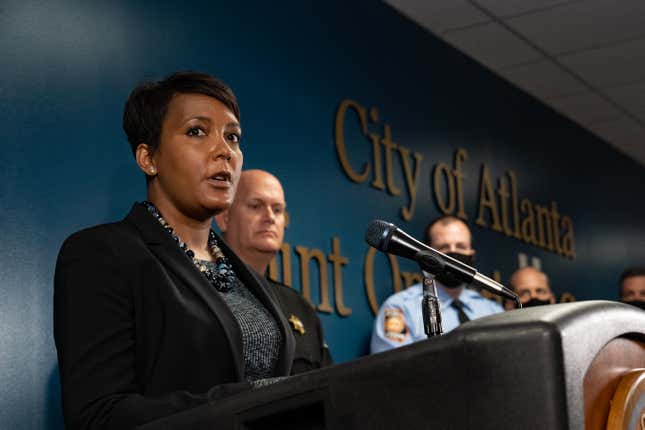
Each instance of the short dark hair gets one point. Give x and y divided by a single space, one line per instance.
147 104
629 273
443 219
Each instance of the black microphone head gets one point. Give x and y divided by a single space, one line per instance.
378 234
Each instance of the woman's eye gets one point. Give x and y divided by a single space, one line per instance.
277 211
233 137
195 131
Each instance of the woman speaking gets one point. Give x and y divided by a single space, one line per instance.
154 314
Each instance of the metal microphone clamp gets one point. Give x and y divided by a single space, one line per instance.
430 307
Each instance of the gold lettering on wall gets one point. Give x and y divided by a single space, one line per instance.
411 179
460 156
341 149
487 201
567 297
503 194
528 224
305 256
516 211
368 277
384 152
376 153
453 183
338 261
411 278
500 209
388 145
545 237
285 256
555 222
441 171
568 243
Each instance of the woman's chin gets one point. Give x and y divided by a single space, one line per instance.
217 206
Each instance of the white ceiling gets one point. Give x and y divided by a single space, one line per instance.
584 58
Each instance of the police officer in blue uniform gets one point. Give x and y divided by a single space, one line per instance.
399 320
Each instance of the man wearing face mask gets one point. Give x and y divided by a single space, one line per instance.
632 287
532 287
400 321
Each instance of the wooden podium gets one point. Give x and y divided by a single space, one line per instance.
550 367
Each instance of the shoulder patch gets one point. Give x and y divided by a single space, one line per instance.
394 325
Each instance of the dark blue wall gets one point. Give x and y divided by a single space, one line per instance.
67 68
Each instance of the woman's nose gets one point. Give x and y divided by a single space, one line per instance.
222 149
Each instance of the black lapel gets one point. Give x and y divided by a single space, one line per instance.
175 260
266 294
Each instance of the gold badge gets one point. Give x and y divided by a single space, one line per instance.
297 324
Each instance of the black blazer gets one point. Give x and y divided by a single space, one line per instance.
311 350
140 333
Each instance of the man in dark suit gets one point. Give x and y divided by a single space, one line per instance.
253 228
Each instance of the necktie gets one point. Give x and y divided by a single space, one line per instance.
456 303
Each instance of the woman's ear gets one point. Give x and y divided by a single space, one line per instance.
144 160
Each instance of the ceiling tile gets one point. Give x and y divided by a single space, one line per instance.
582 25
440 15
641 115
631 97
502 8
586 108
610 66
638 155
625 134
492 45
635 152
544 79
624 131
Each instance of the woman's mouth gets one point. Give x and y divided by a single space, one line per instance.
221 179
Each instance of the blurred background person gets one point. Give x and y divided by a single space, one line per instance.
154 314
400 321
532 287
253 227
632 287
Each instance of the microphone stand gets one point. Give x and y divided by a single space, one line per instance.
430 307
430 264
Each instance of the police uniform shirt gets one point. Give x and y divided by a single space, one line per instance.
400 320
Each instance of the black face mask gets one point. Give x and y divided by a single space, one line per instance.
638 303
535 302
448 280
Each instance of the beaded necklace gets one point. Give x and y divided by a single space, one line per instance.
222 277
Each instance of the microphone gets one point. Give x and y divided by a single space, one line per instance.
386 237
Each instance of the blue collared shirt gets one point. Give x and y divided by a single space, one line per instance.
403 309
